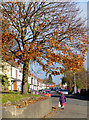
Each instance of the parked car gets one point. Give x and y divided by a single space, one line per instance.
37 93
65 92
46 93
33 91
57 90
40 91
73 93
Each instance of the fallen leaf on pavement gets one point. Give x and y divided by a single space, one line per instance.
54 108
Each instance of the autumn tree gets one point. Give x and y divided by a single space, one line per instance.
45 80
81 79
46 33
69 79
48 80
59 85
63 80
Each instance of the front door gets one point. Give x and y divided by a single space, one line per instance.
15 85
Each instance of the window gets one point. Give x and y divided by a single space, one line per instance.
11 71
16 73
32 80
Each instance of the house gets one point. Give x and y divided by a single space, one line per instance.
16 76
5 69
35 83
50 85
30 79
14 72
32 82
41 85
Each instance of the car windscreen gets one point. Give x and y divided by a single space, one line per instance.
65 90
46 92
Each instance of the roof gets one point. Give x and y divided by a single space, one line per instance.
46 90
29 74
50 83
14 63
12 79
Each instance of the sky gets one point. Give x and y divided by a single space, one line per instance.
83 6
57 78
81 1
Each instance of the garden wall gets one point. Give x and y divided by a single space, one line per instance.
35 110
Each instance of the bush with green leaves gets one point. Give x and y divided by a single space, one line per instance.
4 82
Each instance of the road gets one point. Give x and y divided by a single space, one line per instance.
76 107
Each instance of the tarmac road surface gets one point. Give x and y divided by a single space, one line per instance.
76 107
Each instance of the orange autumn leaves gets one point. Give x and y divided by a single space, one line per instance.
67 58
53 36
8 42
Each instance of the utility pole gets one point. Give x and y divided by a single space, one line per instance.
33 76
75 88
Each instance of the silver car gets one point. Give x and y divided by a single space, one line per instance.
65 92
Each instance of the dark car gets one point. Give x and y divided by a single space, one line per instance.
40 91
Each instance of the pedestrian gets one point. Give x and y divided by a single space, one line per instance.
62 100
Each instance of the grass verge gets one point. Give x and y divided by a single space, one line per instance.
12 97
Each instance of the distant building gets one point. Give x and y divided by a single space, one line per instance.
50 85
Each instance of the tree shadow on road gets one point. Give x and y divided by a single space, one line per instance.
78 97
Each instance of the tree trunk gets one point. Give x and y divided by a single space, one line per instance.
25 77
